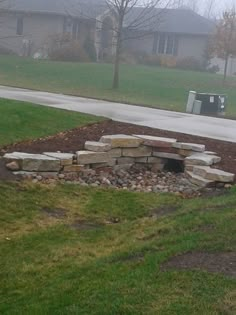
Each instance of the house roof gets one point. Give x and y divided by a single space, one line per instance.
86 8
183 21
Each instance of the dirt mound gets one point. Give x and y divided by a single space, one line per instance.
73 140
224 263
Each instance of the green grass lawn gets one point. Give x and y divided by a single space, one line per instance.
47 266
24 121
150 86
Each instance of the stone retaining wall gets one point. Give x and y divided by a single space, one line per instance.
122 152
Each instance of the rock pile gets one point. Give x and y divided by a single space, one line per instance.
135 162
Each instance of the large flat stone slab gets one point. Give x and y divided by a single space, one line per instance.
202 159
65 158
34 162
89 157
213 174
189 146
97 146
158 142
142 151
199 180
115 153
122 141
171 156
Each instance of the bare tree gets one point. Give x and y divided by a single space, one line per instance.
134 19
191 4
224 41
209 9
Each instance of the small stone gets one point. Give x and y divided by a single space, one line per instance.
13 166
61 176
39 178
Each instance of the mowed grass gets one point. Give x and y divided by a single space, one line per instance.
149 86
25 121
50 265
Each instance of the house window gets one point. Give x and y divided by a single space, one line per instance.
68 25
166 45
75 29
155 42
19 26
162 44
170 45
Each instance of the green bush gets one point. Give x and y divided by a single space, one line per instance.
189 63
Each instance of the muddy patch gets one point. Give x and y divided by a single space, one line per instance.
57 213
224 263
162 211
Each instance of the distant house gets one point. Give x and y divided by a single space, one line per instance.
28 25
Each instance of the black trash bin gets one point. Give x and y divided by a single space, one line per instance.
212 104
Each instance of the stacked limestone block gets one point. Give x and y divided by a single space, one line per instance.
122 152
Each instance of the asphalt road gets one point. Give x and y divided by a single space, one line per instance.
216 128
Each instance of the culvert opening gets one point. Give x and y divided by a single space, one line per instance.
174 166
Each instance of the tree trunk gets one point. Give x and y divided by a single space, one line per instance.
226 67
116 76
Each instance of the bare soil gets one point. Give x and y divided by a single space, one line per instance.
73 140
224 263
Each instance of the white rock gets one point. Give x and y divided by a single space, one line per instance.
189 146
97 146
156 141
202 159
65 158
213 174
89 157
122 141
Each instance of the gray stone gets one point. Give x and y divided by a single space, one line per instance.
213 174
34 162
65 158
141 160
97 146
171 156
122 141
156 141
115 153
142 151
125 160
210 153
202 159
110 163
89 157
199 180
155 160
189 146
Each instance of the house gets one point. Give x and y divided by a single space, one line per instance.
28 25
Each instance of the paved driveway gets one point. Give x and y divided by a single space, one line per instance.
216 128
